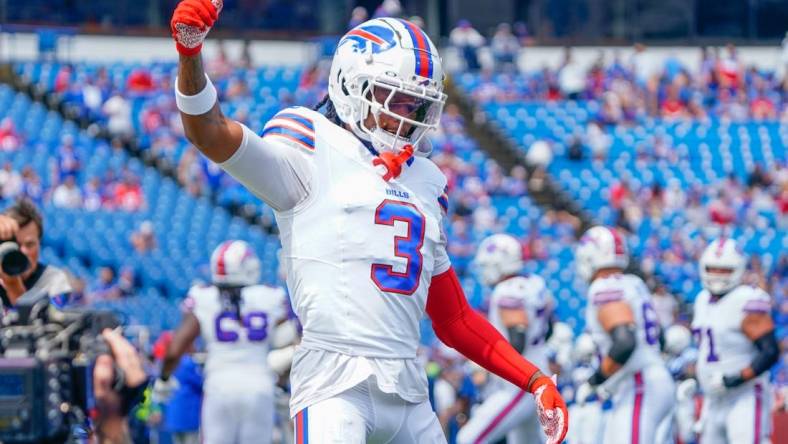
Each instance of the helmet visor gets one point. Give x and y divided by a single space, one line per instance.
415 105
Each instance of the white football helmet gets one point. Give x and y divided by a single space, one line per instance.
498 257
677 339
721 266
388 66
600 247
234 263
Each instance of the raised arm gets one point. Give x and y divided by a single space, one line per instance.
216 136
274 169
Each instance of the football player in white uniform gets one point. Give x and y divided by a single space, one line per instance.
359 209
236 318
623 324
735 330
520 308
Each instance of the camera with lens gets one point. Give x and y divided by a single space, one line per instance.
46 366
12 261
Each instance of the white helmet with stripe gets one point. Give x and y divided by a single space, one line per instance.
722 266
388 66
498 257
235 264
600 247
677 339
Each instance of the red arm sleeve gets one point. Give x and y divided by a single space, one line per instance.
461 328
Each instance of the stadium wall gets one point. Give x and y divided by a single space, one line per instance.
24 46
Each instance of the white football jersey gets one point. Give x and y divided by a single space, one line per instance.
716 324
359 253
528 293
632 290
236 347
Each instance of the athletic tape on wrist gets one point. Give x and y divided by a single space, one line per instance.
198 104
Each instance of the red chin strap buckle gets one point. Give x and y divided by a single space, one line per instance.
393 162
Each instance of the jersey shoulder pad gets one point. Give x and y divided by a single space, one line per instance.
428 172
295 127
510 294
195 295
610 289
754 300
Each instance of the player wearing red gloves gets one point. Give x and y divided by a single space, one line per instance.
359 208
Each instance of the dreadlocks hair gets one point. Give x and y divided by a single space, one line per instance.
232 296
331 112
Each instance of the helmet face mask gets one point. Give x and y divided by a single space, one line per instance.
600 248
381 87
721 266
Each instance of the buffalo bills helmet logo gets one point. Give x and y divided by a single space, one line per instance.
378 38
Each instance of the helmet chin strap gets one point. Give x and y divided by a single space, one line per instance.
393 162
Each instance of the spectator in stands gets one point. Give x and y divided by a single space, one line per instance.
220 66
597 139
721 209
68 162
505 47
92 199
388 8
467 41
92 97
128 194
63 78
23 222
144 239
672 107
105 288
357 17
67 194
520 30
31 186
237 88
140 82
10 140
571 78
189 172
118 111
11 184
127 283
730 70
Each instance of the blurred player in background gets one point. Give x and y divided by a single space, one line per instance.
680 357
520 308
623 324
735 330
236 318
586 415
359 208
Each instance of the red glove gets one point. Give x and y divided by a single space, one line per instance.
550 409
191 22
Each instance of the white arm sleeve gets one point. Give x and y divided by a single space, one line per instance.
276 173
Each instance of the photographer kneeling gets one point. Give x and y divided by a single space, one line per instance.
21 230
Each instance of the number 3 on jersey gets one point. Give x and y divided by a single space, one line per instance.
407 247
